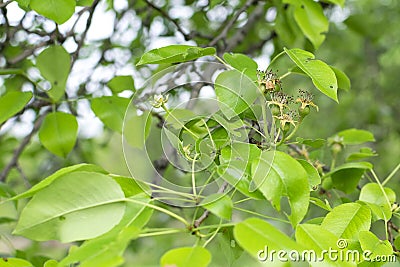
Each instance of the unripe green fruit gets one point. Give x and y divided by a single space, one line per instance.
275 110
263 89
286 127
336 148
327 183
304 111
277 87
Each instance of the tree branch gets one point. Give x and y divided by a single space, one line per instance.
231 22
242 32
4 4
205 214
83 37
187 36
18 151
28 52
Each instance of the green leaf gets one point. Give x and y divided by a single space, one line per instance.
14 262
397 242
317 239
227 246
346 176
47 181
107 250
286 27
242 63
364 153
76 206
347 220
242 152
219 204
132 187
313 176
323 205
176 117
54 64
356 136
111 111
276 174
342 79
24 4
311 20
84 2
234 173
59 11
58 133
11 71
371 193
137 129
254 235
174 54
320 73
51 263
121 83
186 256
369 242
11 103
316 143
235 92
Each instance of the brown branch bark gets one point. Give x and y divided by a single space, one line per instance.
242 32
206 213
83 36
18 151
187 36
223 34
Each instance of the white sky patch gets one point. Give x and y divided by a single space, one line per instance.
218 14
102 23
181 12
120 5
265 58
80 26
89 125
14 13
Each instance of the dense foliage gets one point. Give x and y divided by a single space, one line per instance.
198 133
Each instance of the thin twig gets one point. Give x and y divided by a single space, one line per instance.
205 214
21 172
18 151
28 52
231 22
241 33
83 36
174 21
6 3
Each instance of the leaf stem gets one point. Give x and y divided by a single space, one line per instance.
264 115
275 58
179 218
214 234
223 62
180 123
386 198
167 232
261 215
194 176
390 176
285 75
215 226
188 195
